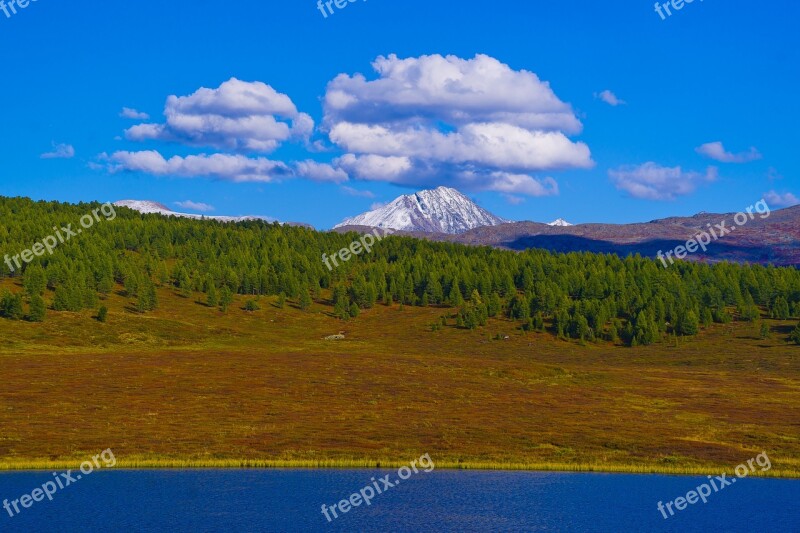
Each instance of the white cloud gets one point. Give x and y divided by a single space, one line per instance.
775 199
320 171
238 115
374 167
131 113
449 89
651 181
237 168
355 192
610 98
432 119
377 205
717 152
514 200
493 145
195 206
523 184
60 151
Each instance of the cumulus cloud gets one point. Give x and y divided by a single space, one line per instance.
375 167
60 151
195 206
320 171
238 115
237 168
610 98
651 181
717 152
781 200
469 122
128 112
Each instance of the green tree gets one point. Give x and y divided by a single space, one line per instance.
688 324
34 280
225 298
795 337
102 314
212 298
494 305
251 306
305 300
519 308
780 309
37 308
148 298
11 306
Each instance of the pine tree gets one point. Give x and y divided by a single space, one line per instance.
795 337
613 332
225 298
37 308
537 322
11 306
688 324
34 280
780 310
102 314
212 298
494 305
305 300
387 298
455 298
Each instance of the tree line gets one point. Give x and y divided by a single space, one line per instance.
583 296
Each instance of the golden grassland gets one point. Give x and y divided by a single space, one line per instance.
187 386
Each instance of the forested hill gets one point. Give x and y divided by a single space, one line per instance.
579 295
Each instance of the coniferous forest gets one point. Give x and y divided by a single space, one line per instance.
590 297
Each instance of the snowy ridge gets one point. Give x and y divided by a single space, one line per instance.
560 223
148 207
442 210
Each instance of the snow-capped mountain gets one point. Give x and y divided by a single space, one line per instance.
148 207
560 223
442 210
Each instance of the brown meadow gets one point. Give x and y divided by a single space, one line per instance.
189 386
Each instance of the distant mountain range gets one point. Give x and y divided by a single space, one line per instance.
773 240
148 207
444 214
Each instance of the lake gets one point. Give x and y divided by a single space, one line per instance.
459 501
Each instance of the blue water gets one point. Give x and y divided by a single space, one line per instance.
291 500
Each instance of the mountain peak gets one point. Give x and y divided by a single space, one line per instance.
440 210
560 223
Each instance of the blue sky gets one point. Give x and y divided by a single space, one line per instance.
503 100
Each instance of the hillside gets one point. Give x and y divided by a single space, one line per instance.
188 385
215 351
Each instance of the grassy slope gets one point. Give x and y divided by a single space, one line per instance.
190 386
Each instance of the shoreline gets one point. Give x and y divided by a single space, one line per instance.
339 464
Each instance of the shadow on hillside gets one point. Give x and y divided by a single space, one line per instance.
716 251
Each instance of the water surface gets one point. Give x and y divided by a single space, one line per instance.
447 501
